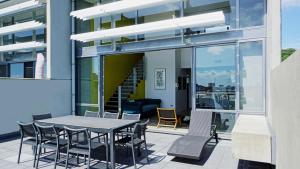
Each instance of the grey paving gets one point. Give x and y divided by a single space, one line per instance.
213 157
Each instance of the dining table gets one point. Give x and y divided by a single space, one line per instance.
103 125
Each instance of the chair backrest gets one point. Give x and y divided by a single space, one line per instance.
78 136
47 132
139 129
27 129
91 114
166 113
126 116
201 123
41 116
110 115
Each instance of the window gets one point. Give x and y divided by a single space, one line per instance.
251 76
17 70
29 69
216 77
21 64
4 70
252 13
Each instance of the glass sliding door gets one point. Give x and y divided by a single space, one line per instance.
87 85
251 76
216 82
216 77
230 80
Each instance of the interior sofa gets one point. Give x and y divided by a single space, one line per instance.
145 107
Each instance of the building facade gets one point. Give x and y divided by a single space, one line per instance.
70 56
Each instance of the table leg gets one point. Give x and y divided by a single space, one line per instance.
112 149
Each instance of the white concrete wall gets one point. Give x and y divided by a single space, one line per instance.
19 99
285 112
161 59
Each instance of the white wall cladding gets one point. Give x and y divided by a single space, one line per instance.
285 112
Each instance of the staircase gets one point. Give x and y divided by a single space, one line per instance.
127 87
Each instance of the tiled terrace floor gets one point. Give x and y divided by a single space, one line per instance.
214 157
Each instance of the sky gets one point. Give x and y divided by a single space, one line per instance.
291 24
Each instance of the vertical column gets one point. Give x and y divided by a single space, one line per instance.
193 79
73 62
58 40
1 41
101 85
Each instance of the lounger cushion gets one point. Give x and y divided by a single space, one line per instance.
188 146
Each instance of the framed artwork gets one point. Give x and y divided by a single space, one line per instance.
160 79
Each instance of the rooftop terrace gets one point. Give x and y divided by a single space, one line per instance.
213 157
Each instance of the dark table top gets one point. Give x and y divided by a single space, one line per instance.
93 123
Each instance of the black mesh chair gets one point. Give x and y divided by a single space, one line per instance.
110 115
29 136
135 139
41 116
37 117
126 116
91 114
50 136
80 142
96 115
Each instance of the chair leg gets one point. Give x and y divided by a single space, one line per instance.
56 157
20 150
217 138
38 157
35 154
67 159
106 149
77 159
147 153
99 139
133 156
89 161
84 156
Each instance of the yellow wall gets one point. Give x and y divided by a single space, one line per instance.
140 91
117 69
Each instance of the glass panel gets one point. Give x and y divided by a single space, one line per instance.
17 70
225 121
22 37
251 76
252 13
29 70
194 7
3 70
125 19
158 13
87 80
216 77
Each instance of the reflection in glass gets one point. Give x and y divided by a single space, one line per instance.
87 80
17 70
4 70
216 77
251 13
251 76
224 121
80 110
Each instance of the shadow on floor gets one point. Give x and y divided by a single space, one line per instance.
243 164
205 154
